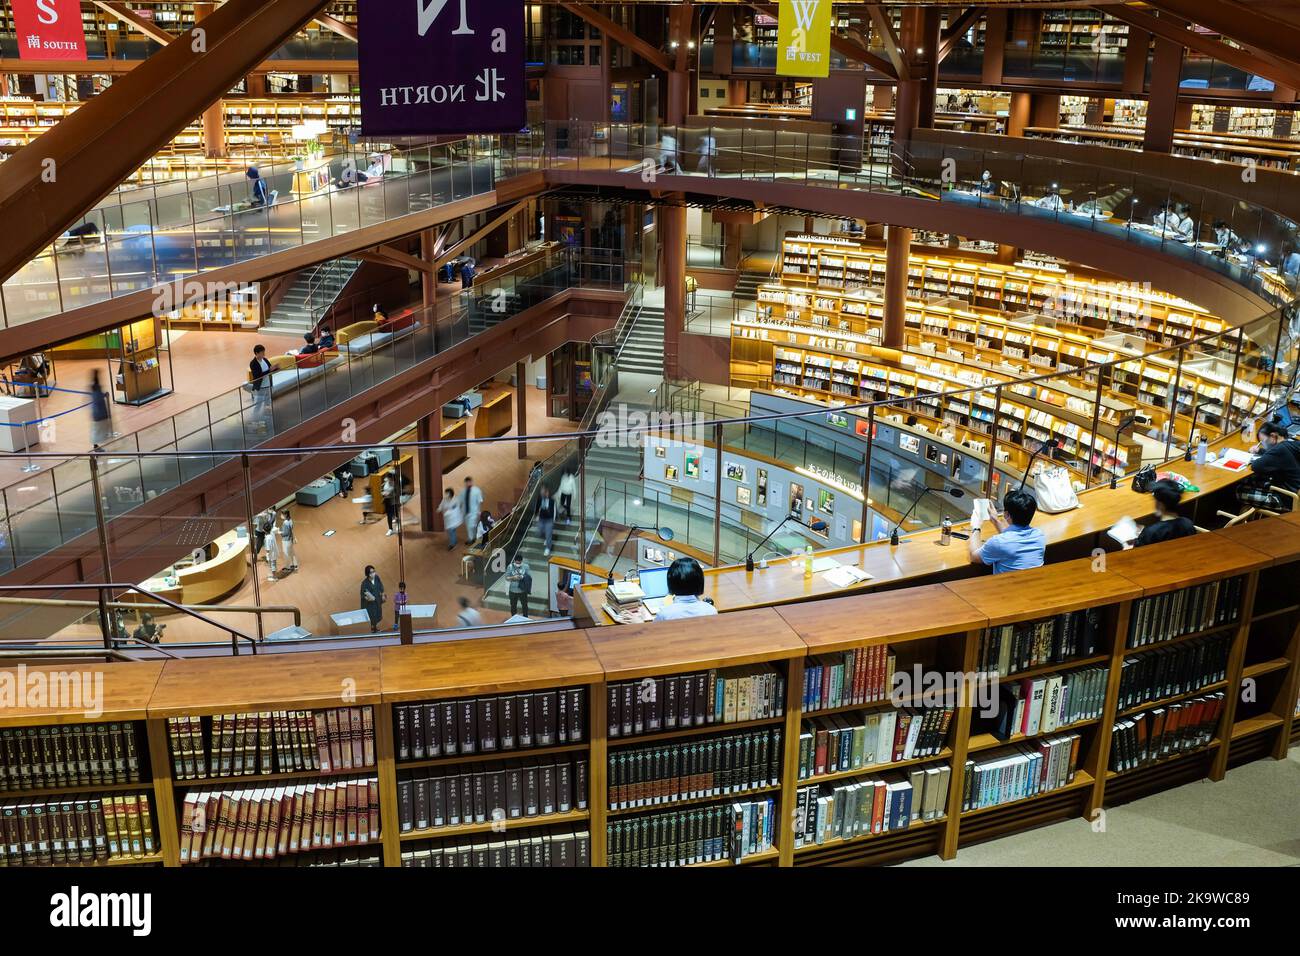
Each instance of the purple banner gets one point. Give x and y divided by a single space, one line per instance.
441 66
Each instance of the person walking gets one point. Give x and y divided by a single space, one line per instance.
287 542
391 492
372 597
521 584
453 516
568 488
546 518
101 422
485 524
472 504
272 547
468 616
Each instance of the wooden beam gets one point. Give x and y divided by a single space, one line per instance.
897 55
403 259
479 233
1241 22
850 48
120 11
1171 29
651 54
948 40
379 259
345 30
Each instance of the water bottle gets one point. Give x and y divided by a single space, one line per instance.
807 562
945 532
1202 450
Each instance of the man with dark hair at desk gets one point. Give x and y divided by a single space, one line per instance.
1016 546
1278 460
1169 524
686 585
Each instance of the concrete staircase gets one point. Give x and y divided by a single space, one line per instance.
313 291
644 350
747 283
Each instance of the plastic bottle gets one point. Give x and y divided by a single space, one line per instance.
945 532
807 562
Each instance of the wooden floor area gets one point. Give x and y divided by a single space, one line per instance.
331 568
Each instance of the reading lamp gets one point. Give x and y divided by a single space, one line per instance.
894 540
1048 446
749 558
664 534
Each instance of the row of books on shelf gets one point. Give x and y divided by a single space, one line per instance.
728 696
1171 671
1015 773
694 769
858 676
1150 736
492 792
367 856
710 834
1185 611
835 744
871 806
284 741
264 823
1016 647
75 755
81 829
567 849
479 725
1047 703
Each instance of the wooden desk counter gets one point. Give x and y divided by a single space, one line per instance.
880 618
920 558
496 415
1279 538
487 666
1044 592
222 685
1200 558
204 583
671 647
111 692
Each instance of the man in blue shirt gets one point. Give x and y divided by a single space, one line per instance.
1016 546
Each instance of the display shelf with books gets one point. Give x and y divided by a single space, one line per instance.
1113 722
84 829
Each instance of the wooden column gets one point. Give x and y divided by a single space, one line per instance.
428 280
1162 108
995 39
255 83
1135 60
898 247
672 239
429 428
1018 114
733 241
521 406
679 79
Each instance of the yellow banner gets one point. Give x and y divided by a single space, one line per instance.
803 38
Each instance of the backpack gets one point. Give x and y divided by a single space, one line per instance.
526 584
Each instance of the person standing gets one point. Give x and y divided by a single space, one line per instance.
485 524
400 600
286 541
563 600
521 584
468 616
101 422
259 373
546 518
272 548
568 488
453 516
372 597
391 492
472 505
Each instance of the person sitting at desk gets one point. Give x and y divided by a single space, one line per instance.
1165 219
1291 264
148 631
1169 524
1183 225
987 185
260 194
1052 201
686 585
1225 237
311 347
1278 460
1017 546
326 338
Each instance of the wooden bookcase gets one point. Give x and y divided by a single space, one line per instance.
943 627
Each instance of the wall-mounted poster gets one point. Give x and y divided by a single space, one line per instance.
796 500
909 443
735 472
692 464
762 487
670 472
956 464
863 428
826 501
931 452
441 67
742 495
661 451
838 420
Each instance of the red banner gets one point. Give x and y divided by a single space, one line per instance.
49 29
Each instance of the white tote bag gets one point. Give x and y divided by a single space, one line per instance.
1054 491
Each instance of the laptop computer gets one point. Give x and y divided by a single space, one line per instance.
654 585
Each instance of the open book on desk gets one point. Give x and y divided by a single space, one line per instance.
1125 530
847 575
